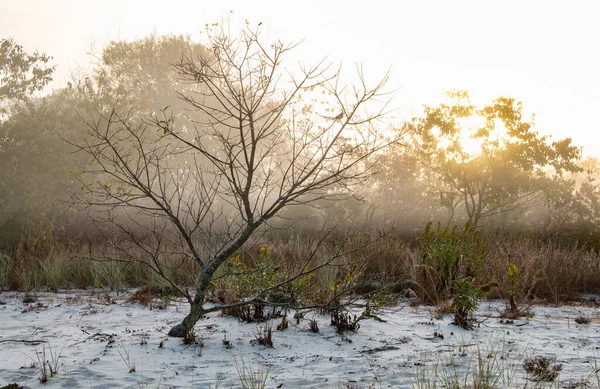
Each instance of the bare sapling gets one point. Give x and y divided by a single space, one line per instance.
264 138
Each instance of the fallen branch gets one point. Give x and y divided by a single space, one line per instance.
23 341
108 337
379 349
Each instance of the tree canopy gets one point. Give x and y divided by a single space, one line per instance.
36 178
490 158
22 74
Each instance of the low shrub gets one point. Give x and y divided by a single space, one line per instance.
542 368
448 255
264 336
344 321
466 301
583 320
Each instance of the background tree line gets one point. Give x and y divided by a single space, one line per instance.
519 181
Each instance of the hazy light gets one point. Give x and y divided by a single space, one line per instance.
538 52
471 144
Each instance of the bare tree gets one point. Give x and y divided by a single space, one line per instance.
268 139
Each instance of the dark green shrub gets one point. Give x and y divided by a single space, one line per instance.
448 255
466 301
248 281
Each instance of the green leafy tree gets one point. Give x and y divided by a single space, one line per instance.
36 178
572 206
23 142
139 74
33 178
489 159
21 74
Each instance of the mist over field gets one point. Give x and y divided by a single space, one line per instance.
457 161
229 176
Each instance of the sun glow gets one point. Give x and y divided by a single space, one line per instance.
469 142
474 144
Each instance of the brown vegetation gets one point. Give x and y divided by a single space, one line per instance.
547 270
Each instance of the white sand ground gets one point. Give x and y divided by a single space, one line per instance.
94 342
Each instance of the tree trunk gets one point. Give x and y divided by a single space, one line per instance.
188 323
208 271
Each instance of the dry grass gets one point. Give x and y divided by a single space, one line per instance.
547 271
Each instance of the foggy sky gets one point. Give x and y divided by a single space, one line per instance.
541 52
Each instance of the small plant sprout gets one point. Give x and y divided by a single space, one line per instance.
43 366
298 316
344 321
249 378
48 367
54 360
313 326
264 336
200 347
284 323
126 359
228 345
513 310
